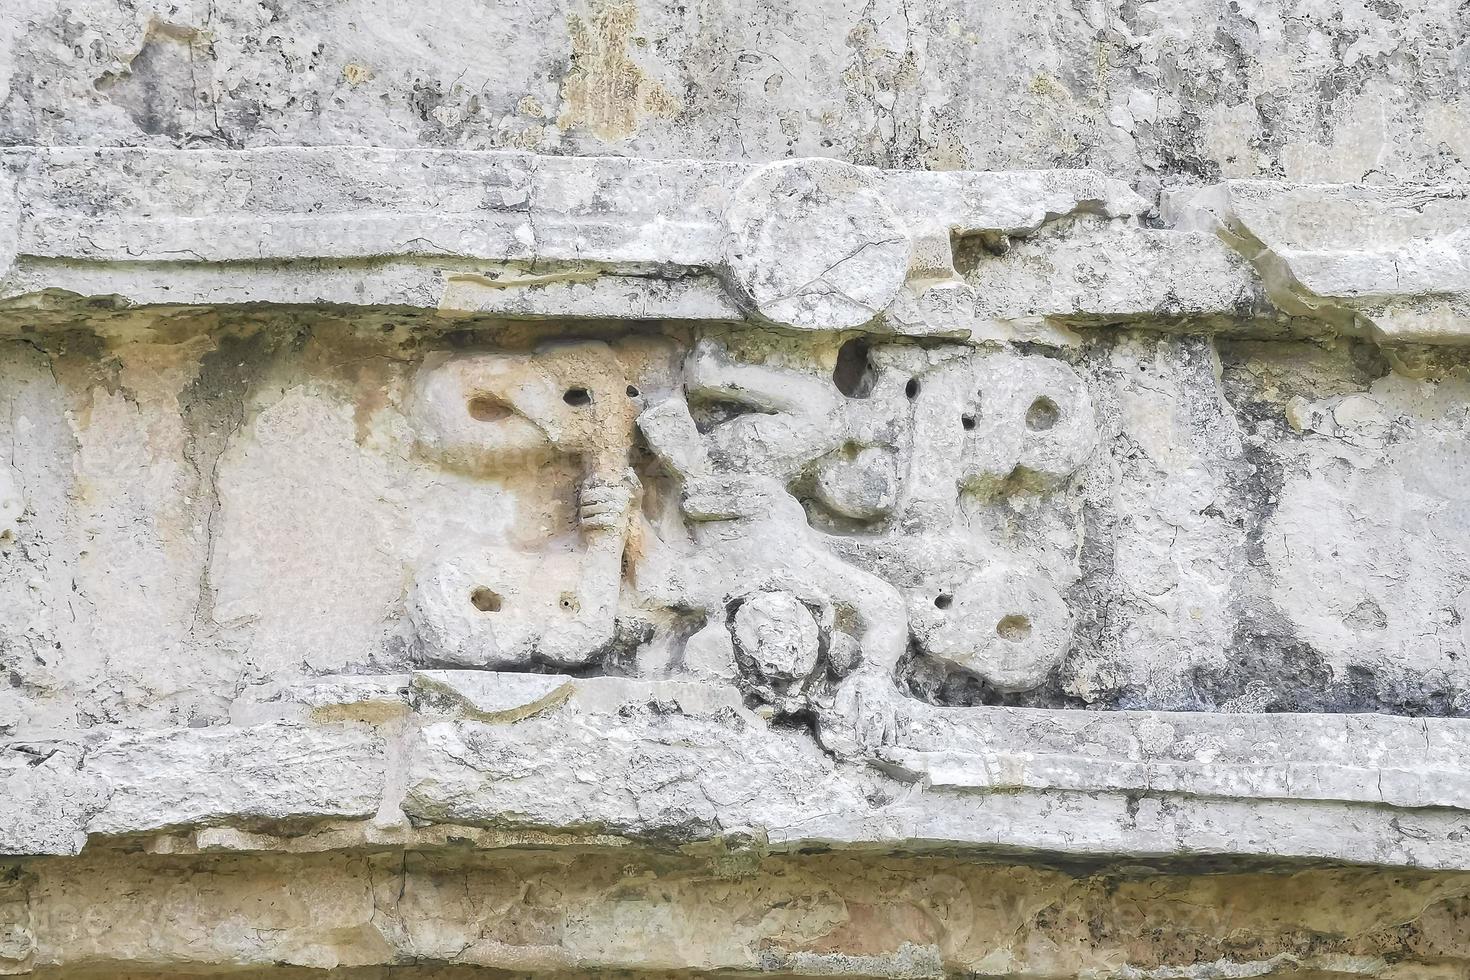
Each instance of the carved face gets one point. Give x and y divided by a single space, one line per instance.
487 411
501 608
1008 627
1028 419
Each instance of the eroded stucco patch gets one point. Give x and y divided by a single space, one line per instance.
607 91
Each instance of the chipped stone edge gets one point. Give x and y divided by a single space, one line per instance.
1402 279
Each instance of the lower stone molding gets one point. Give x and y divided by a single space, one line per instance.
458 912
419 760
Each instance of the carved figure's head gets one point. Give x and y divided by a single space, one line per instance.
1027 421
1008 627
481 412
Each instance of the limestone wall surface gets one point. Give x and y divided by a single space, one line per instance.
800 489
1205 89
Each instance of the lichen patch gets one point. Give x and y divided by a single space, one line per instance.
606 91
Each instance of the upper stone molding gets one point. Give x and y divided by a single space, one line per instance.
812 243
808 244
1391 261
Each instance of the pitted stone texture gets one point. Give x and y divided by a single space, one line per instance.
46 799
1390 262
473 915
1358 95
272 773
12 504
1006 626
812 244
10 218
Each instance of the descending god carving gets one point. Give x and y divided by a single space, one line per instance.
794 516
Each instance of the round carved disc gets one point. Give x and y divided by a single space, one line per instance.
810 244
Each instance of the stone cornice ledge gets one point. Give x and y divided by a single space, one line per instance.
422 759
805 244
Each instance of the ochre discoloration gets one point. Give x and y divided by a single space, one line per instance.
607 91
836 915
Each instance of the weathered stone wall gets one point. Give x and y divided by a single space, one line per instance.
1146 91
882 490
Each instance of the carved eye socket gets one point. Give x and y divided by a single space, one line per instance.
577 397
485 600
854 375
1042 415
1014 627
485 408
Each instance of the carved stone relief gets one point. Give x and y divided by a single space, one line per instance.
785 514
488 604
724 509
841 488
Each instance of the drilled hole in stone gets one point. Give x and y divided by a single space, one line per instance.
854 375
943 601
1042 414
911 389
633 391
968 421
485 408
577 397
568 602
485 600
1014 627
